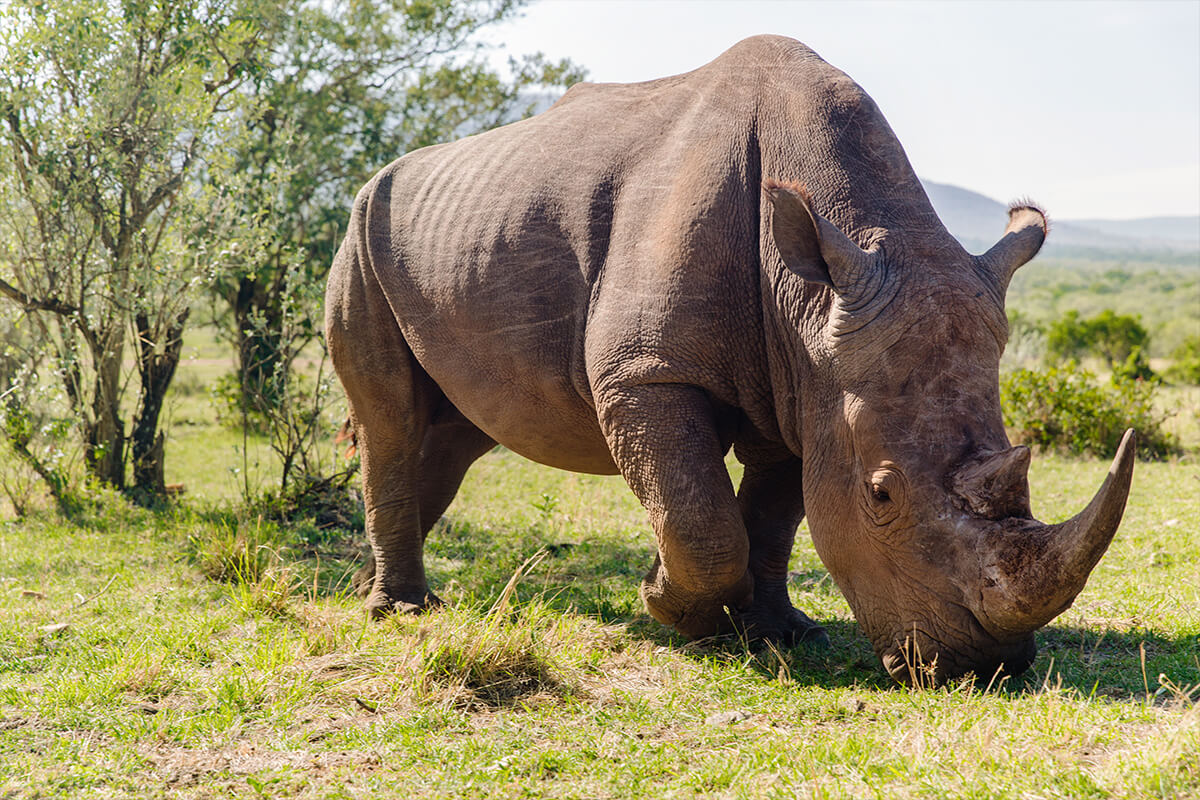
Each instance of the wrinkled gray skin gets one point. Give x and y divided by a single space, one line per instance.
637 280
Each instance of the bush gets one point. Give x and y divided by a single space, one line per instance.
1136 367
1186 362
1068 409
1107 335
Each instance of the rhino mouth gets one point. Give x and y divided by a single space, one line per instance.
923 658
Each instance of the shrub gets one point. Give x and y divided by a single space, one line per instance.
1136 367
1107 335
1066 408
1186 358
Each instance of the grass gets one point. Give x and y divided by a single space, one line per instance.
545 678
204 651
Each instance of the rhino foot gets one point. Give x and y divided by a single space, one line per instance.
380 605
696 616
788 626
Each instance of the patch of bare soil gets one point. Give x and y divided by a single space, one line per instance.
183 766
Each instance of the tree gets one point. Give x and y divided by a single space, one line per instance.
1185 367
1110 336
107 109
351 85
1115 337
31 431
1066 338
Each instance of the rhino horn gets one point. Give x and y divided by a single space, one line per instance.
812 246
996 487
1031 572
1027 229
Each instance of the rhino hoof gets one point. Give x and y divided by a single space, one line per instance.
381 606
815 637
790 627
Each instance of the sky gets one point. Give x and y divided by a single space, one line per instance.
1090 108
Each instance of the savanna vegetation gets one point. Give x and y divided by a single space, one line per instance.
178 527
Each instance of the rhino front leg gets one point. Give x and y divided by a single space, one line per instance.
664 440
772 505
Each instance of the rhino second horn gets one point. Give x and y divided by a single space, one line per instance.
1023 238
998 486
1031 572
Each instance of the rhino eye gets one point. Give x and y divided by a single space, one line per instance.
880 494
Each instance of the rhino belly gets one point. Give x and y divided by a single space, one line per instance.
514 381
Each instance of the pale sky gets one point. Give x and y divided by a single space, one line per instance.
1090 108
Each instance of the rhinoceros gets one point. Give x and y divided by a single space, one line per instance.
646 275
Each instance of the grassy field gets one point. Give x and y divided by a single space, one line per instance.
206 652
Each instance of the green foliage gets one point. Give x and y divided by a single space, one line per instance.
1026 337
1066 408
234 410
1163 290
327 502
1186 362
1107 335
1067 337
108 111
1135 367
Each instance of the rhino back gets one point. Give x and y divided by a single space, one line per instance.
494 252
614 239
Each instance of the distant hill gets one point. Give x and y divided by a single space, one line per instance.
1185 230
977 221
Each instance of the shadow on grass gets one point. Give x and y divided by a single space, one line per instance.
471 564
1117 665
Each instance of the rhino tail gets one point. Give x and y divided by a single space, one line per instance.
346 434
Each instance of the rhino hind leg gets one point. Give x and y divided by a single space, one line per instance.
450 446
772 505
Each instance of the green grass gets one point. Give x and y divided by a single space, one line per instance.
266 681
204 651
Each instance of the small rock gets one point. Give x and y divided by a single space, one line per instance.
726 718
852 705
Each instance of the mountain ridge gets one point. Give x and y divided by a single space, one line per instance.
977 221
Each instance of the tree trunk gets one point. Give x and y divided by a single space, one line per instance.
156 365
259 319
103 429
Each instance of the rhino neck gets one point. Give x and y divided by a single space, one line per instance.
821 130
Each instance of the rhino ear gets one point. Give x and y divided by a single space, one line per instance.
1026 231
812 246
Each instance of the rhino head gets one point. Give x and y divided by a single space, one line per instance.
917 502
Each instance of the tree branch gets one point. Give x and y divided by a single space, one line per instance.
30 303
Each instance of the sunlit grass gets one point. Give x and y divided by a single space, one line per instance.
271 682
204 651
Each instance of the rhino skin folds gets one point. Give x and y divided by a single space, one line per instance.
648 274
